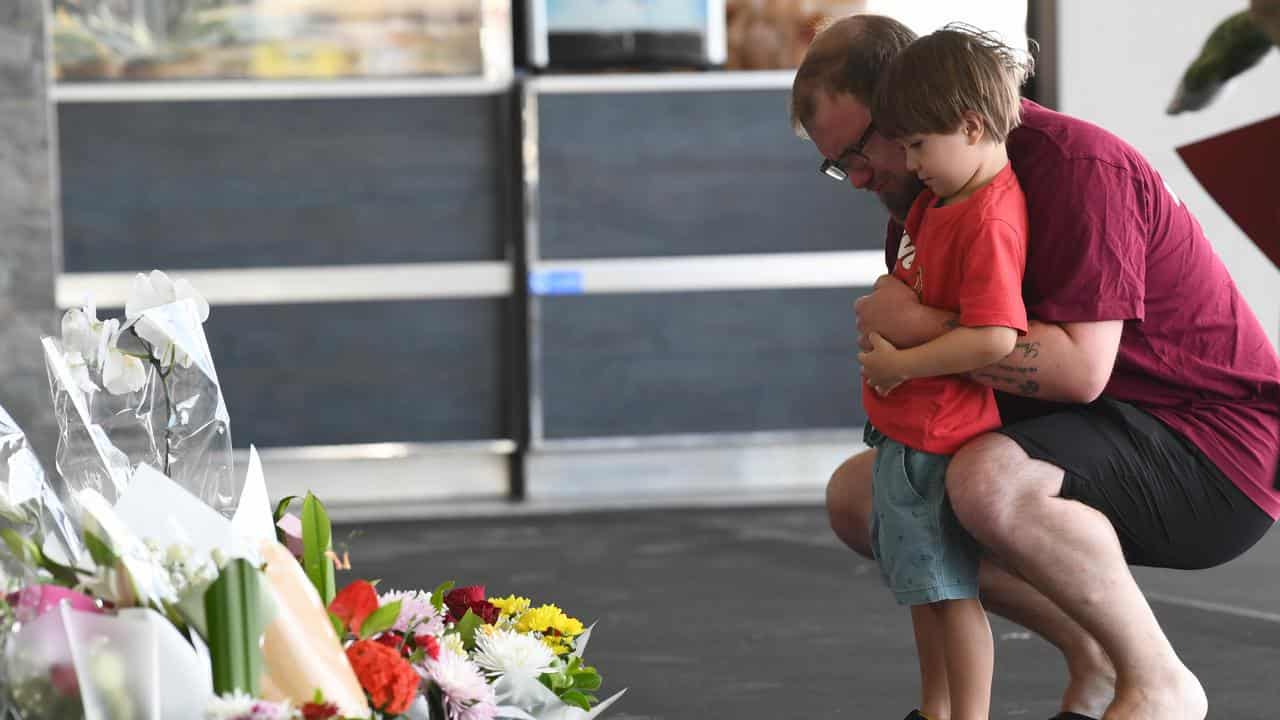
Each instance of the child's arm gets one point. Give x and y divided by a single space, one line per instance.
960 350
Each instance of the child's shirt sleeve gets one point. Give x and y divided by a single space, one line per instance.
994 263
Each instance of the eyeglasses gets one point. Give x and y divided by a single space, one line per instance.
853 158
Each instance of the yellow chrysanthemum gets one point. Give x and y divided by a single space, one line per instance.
565 625
558 645
539 619
510 605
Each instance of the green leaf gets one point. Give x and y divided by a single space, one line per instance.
99 550
24 549
380 620
467 627
437 595
577 699
317 542
282 507
339 627
27 552
233 606
587 680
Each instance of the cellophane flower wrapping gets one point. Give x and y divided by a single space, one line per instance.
29 504
145 391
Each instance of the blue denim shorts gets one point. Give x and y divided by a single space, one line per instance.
924 554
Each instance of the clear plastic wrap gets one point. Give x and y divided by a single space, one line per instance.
29 504
164 408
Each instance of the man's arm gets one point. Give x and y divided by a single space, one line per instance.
1070 362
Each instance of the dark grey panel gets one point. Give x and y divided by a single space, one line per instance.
361 372
688 173
272 183
699 362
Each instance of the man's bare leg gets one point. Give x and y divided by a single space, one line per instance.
1091 677
1010 503
1091 682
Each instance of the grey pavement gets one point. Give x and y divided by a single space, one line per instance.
758 612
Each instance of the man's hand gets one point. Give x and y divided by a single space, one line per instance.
883 308
882 365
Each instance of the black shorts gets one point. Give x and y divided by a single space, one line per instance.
1170 506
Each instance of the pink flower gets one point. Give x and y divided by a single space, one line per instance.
292 528
40 599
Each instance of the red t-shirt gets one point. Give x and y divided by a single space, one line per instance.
1111 241
967 258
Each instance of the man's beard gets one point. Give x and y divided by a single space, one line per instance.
898 197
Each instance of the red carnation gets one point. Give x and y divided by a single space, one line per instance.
471 597
354 603
395 641
319 711
390 682
429 644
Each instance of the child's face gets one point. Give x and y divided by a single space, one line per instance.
947 162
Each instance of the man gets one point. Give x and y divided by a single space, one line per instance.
1141 409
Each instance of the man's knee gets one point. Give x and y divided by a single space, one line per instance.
985 482
849 501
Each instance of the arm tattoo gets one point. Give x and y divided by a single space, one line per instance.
1018 385
1015 369
951 323
1029 349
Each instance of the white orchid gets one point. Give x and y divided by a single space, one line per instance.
121 372
91 344
80 328
156 290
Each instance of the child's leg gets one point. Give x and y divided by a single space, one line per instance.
970 657
935 697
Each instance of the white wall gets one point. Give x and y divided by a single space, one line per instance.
1119 63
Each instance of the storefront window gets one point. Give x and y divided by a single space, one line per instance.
138 40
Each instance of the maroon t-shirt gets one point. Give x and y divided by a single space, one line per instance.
1111 241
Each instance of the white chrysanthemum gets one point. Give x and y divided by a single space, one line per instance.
479 711
239 706
416 611
506 652
459 679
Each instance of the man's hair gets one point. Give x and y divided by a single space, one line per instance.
929 86
848 56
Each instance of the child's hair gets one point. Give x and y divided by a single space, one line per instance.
929 86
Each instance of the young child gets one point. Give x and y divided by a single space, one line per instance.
951 99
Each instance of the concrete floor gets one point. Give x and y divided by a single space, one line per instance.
758 612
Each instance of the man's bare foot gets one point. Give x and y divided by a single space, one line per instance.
1092 684
1180 697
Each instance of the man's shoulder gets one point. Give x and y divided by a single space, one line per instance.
1049 144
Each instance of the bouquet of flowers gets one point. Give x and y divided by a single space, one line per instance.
149 580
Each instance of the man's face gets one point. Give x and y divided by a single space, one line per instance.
838 123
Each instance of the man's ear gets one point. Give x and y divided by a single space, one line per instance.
974 129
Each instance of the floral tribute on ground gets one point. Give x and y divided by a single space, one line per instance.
147 579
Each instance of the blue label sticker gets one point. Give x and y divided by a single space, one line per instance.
555 282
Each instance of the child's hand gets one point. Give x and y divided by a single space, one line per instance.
882 366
